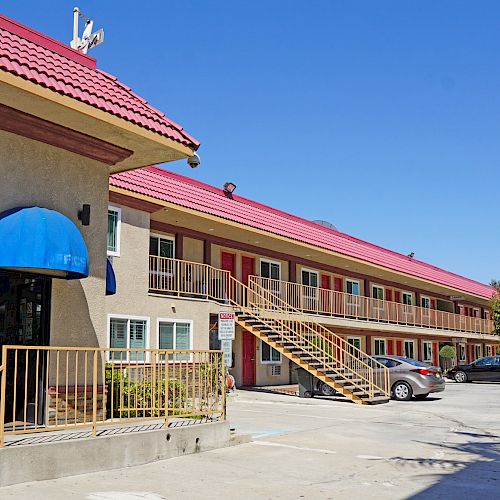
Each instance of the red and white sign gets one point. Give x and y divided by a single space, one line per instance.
226 326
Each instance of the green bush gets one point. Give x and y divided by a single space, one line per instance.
447 352
127 398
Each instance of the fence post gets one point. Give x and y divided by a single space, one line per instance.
3 375
223 368
94 396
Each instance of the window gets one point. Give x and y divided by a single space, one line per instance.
352 287
175 335
425 302
486 314
355 342
478 351
162 246
461 352
410 349
388 363
485 362
128 333
268 354
114 228
309 278
427 351
407 298
270 269
380 347
377 292
476 312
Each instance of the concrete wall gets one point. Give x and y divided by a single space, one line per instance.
33 173
39 462
132 278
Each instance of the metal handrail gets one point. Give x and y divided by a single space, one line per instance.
325 302
77 387
199 280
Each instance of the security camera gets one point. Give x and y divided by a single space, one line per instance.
194 161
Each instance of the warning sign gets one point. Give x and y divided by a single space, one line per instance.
226 326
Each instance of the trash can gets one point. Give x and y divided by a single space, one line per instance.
306 383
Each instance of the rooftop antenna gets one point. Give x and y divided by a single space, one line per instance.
88 40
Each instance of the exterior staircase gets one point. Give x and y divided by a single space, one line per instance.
261 311
325 355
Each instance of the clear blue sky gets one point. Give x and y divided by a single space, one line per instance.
382 117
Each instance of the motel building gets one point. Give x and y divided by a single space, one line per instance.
184 251
65 126
113 274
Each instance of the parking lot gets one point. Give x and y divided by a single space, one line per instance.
447 446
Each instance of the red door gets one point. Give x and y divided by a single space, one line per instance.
248 358
247 268
228 262
326 282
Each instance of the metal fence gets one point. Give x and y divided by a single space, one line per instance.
57 388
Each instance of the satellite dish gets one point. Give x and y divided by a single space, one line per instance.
88 40
325 223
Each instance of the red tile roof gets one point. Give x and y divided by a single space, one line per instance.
51 64
185 192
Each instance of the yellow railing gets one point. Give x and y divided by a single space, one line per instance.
330 352
324 302
57 388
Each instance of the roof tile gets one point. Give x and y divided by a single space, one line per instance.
51 64
174 188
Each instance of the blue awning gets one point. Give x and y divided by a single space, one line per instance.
110 278
42 241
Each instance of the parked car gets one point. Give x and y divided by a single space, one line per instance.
487 369
409 377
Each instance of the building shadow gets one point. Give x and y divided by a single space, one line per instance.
477 476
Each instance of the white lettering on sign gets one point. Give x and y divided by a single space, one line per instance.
227 347
226 326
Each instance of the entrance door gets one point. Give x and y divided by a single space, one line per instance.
24 320
247 268
228 262
248 358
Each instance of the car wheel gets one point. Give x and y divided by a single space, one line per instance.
326 390
460 377
401 391
421 396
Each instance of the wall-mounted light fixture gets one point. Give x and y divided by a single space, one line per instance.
84 215
229 187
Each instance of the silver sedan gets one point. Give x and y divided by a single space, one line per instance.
410 378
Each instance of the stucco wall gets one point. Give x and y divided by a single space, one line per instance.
32 174
132 278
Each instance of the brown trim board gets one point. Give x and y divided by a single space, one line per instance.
32 127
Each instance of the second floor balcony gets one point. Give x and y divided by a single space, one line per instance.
196 280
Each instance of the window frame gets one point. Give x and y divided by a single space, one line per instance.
410 294
481 355
117 251
462 352
129 317
162 237
357 282
379 339
270 362
175 321
270 262
408 341
431 350
309 271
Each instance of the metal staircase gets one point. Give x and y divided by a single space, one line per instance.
321 352
312 346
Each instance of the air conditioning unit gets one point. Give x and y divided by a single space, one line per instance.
275 370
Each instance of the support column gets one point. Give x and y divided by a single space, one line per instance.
207 252
292 271
179 246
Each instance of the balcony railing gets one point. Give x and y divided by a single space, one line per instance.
64 388
324 302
